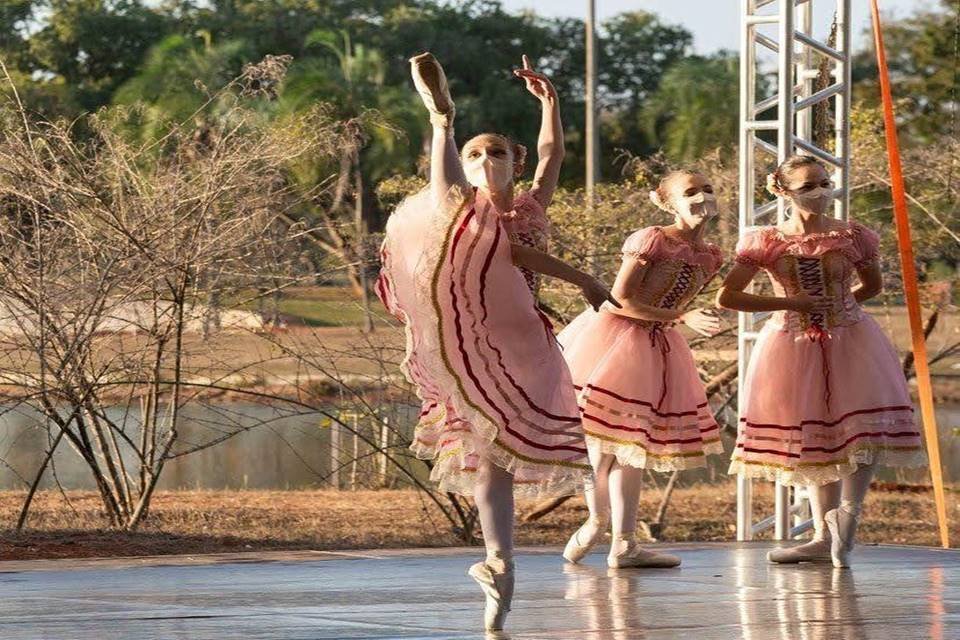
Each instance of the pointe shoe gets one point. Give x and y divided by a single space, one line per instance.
575 550
813 551
634 556
842 525
431 84
817 550
498 589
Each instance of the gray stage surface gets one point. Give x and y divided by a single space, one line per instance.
722 591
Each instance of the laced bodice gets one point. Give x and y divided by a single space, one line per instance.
675 270
814 263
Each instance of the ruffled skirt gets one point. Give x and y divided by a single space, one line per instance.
481 356
639 393
815 409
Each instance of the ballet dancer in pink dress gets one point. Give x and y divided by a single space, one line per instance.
499 410
826 399
640 396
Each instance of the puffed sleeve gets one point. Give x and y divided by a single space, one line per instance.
866 243
642 245
752 249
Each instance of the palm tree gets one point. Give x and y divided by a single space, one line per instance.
350 77
696 107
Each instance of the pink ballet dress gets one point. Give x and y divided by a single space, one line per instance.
482 357
823 393
639 393
526 224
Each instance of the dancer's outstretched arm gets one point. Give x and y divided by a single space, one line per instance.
550 142
593 290
733 296
629 284
446 171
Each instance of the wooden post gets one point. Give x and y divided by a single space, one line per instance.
335 452
356 452
384 446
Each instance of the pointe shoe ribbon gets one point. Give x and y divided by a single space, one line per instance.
498 589
575 551
431 84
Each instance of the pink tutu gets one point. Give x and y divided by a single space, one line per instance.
482 357
822 394
640 396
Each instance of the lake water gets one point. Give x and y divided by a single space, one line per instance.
275 451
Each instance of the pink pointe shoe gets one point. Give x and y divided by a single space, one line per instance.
582 542
431 84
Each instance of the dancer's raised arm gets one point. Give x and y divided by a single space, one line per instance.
550 141
446 171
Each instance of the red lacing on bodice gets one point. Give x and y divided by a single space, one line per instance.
686 277
810 276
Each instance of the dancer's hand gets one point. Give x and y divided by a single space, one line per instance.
537 83
805 303
706 322
597 293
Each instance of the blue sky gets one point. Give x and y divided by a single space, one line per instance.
713 22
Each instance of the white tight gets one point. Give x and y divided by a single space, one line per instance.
446 169
615 491
847 492
493 494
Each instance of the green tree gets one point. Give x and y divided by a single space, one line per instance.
696 107
169 85
94 45
922 54
637 49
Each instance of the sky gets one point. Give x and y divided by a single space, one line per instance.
715 23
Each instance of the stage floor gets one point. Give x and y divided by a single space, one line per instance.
723 591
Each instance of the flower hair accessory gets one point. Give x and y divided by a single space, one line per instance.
773 184
657 200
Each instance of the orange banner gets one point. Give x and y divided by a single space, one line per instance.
910 290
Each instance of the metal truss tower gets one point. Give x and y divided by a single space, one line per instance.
772 128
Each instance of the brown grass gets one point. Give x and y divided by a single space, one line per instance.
193 522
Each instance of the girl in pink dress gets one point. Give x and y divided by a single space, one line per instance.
499 411
826 399
640 396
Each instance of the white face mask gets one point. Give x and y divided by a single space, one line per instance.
700 205
816 199
487 172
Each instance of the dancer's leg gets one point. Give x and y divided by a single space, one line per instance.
855 487
843 521
494 497
625 482
822 498
493 494
597 498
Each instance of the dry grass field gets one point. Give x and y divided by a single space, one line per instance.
194 522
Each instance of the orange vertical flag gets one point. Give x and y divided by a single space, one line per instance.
910 290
